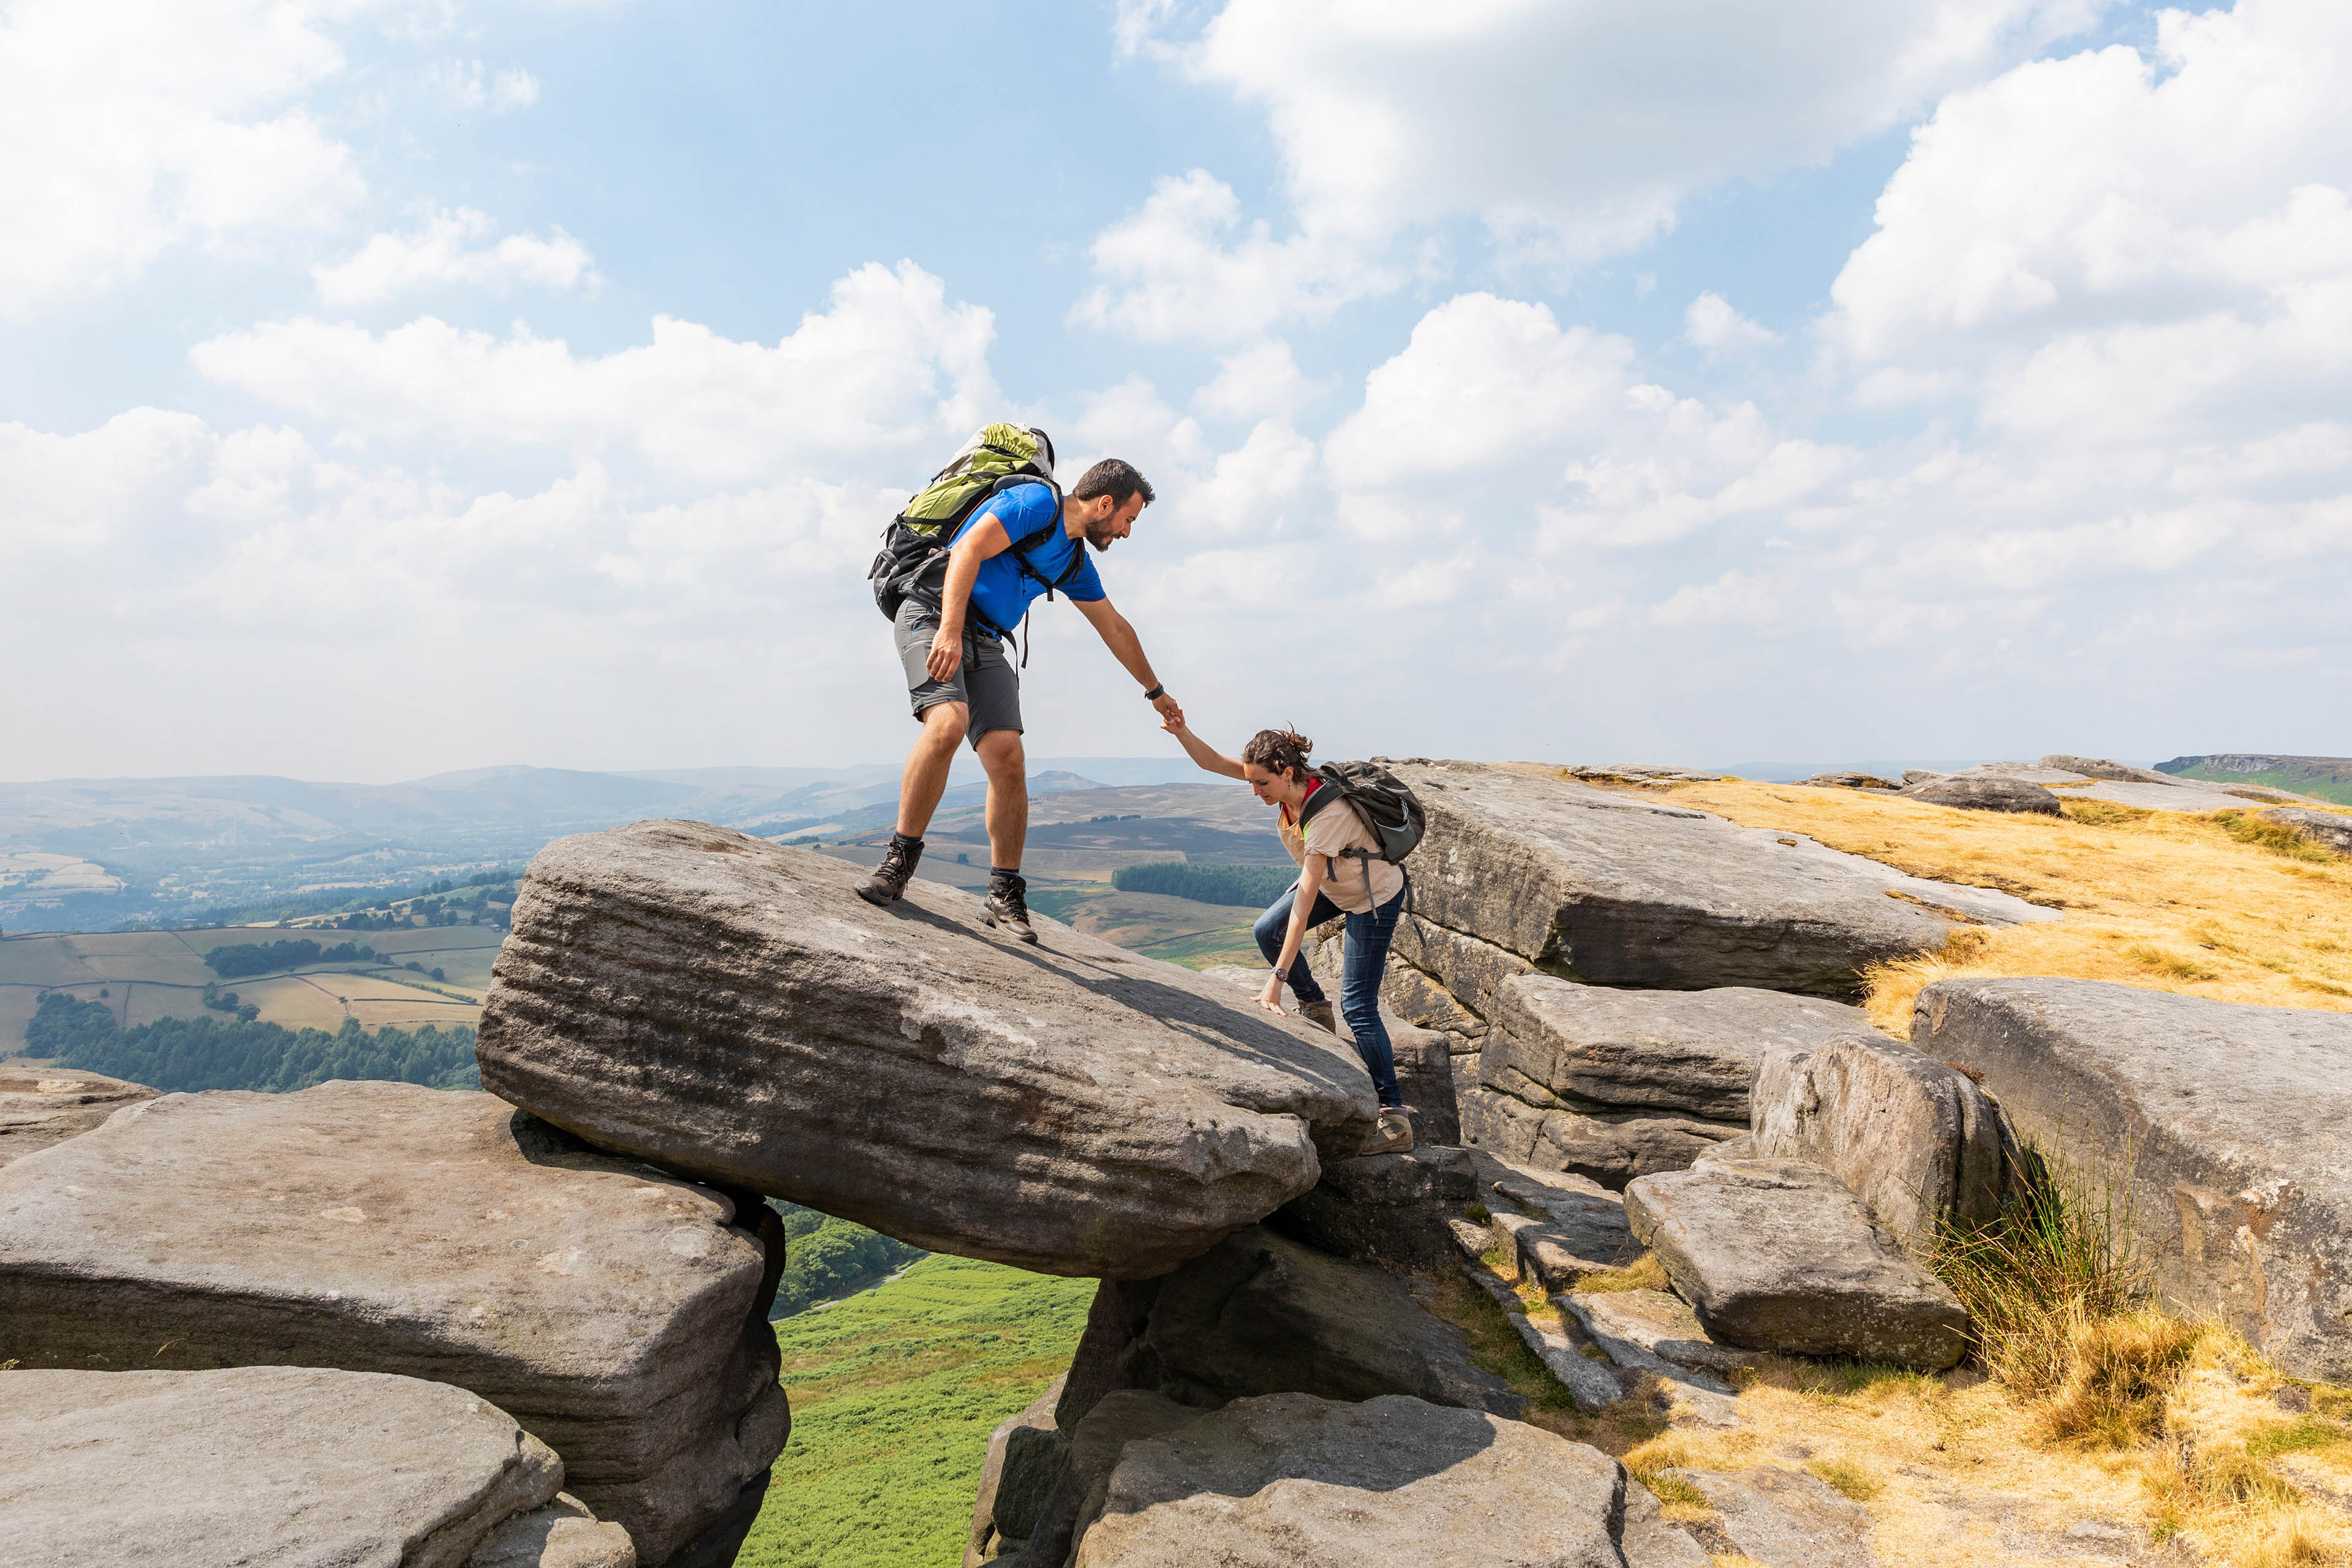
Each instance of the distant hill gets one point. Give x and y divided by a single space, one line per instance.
2330 778
93 854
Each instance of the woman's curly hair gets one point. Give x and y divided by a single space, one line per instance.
1279 751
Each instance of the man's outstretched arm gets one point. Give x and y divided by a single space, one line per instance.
1126 648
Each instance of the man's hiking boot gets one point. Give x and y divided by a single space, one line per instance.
890 878
1007 908
1320 1014
1392 1133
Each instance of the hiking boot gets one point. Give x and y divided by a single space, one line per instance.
890 878
1321 1014
1392 1133
1007 908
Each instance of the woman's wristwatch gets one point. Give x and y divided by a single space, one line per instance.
1282 974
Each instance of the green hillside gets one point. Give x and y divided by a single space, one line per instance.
894 1394
2330 778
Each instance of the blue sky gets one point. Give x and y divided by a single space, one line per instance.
390 386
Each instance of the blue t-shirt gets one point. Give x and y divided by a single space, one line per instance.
1003 591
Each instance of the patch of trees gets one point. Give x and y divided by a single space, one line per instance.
221 1001
1254 886
829 1257
262 957
190 1054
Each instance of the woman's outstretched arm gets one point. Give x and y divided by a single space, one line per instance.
1200 751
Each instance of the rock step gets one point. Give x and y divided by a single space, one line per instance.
1778 1255
731 1009
187 1470
39 1108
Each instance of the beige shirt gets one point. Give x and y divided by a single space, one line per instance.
1336 828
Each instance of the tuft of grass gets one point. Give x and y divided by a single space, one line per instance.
2247 828
1644 1273
2101 813
2122 1370
2160 961
1477 1214
2058 1259
2296 1438
1849 1480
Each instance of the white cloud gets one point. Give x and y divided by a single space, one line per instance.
447 250
470 85
1577 127
132 128
1186 267
1263 379
893 365
1483 381
1711 324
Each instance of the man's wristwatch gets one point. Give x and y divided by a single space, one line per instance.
1155 694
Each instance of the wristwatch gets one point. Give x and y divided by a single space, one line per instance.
1282 974
1155 694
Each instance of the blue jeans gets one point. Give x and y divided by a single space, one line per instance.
1360 976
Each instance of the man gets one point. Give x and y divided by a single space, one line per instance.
963 686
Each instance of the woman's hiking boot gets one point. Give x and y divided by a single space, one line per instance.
1392 1133
1007 908
1321 1014
898 868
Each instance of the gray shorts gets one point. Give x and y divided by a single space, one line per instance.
985 682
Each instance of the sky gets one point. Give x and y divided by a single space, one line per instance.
390 386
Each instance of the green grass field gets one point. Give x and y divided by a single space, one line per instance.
894 1394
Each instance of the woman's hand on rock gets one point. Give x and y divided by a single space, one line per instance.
1271 997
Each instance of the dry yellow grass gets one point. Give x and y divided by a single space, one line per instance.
2160 900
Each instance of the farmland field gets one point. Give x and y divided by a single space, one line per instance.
146 975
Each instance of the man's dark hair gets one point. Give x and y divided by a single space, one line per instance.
1115 477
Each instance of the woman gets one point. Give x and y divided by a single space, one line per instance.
1332 882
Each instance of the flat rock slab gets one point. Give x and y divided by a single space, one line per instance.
2328 829
729 1008
1628 1324
1567 1225
1506 1116
1777 1255
1986 793
2185 796
274 1466
1617 890
1785 1519
1916 1140
1293 1481
42 1106
1696 1052
2230 1126
613 1310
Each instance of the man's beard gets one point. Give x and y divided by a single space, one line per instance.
1099 535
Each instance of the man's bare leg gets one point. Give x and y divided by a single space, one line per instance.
926 776
1008 797
1008 828
919 788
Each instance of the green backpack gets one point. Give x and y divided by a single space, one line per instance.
914 544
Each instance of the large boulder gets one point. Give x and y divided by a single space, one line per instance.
41 1106
731 1009
276 1465
1384 1208
1917 1140
1260 1313
617 1312
1026 1454
2328 829
1293 1481
1095 1443
1988 792
1777 1255
1615 1084
2223 1131
1615 889
2104 768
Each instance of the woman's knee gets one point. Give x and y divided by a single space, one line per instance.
1272 927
